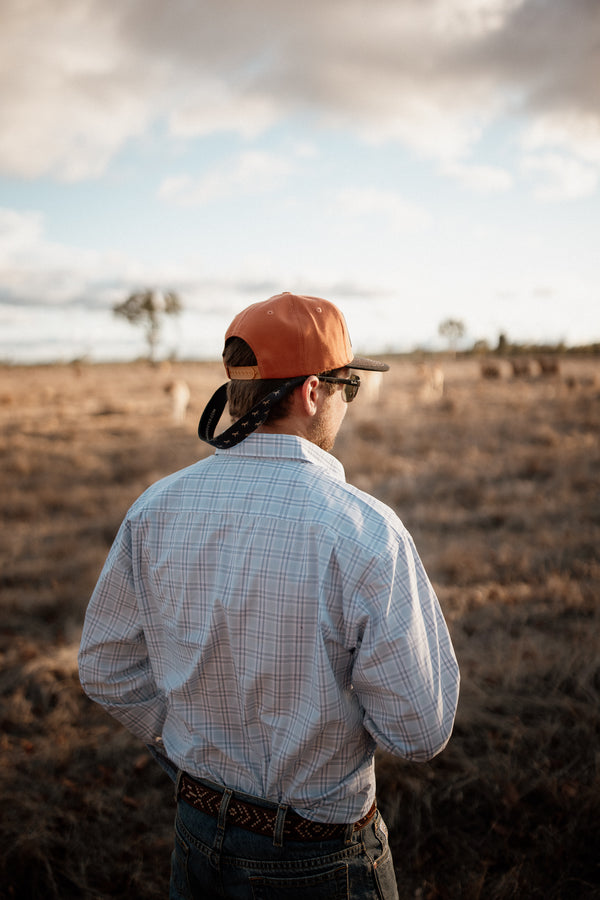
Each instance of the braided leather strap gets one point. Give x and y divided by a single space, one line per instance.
261 819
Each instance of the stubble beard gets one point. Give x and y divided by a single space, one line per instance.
323 433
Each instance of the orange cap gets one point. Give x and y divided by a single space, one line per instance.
291 335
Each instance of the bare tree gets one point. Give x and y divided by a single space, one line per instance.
453 330
148 308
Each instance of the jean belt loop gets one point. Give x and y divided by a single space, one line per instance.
279 825
220 835
227 795
348 834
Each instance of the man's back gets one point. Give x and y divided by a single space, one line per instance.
259 573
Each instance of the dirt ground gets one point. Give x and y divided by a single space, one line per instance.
497 478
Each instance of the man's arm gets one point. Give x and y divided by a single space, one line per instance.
114 668
406 674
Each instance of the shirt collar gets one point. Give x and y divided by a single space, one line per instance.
286 446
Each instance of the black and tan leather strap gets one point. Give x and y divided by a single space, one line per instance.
248 423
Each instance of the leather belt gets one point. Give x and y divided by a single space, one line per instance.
262 819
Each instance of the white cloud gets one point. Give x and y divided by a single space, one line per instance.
213 105
473 17
253 172
399 214
564 178
483 179
19 231
34 268
68 100
79 80
573 131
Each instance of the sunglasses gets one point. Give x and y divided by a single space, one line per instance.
351 385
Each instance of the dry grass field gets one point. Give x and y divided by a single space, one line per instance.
498 480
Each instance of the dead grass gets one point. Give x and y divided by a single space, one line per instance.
499 483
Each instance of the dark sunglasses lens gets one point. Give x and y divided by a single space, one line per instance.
351 390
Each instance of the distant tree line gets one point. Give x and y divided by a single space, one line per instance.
454 330
505 347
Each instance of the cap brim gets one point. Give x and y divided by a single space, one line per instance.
372 365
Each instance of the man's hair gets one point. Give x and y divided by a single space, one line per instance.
243 395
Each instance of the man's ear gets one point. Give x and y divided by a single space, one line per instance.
309 393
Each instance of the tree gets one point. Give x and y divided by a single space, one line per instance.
148 308
503 345
452 330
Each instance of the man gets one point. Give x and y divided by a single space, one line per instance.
263 625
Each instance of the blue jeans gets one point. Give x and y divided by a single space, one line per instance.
212 859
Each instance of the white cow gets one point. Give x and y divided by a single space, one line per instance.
431 378
180 398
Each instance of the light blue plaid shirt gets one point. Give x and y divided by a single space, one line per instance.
271 624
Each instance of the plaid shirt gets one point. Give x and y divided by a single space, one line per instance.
269 624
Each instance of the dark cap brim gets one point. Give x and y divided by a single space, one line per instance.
371 365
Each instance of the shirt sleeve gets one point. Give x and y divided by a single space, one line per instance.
405 673
114 667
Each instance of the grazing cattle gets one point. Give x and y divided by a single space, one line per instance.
549 367
582 381
490 370
521 368
180 398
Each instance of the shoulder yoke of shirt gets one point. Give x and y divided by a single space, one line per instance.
280 447
326 470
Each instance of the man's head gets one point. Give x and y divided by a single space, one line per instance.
271 349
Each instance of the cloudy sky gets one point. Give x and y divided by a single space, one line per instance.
411 160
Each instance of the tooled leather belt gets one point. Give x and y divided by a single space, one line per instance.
261 819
